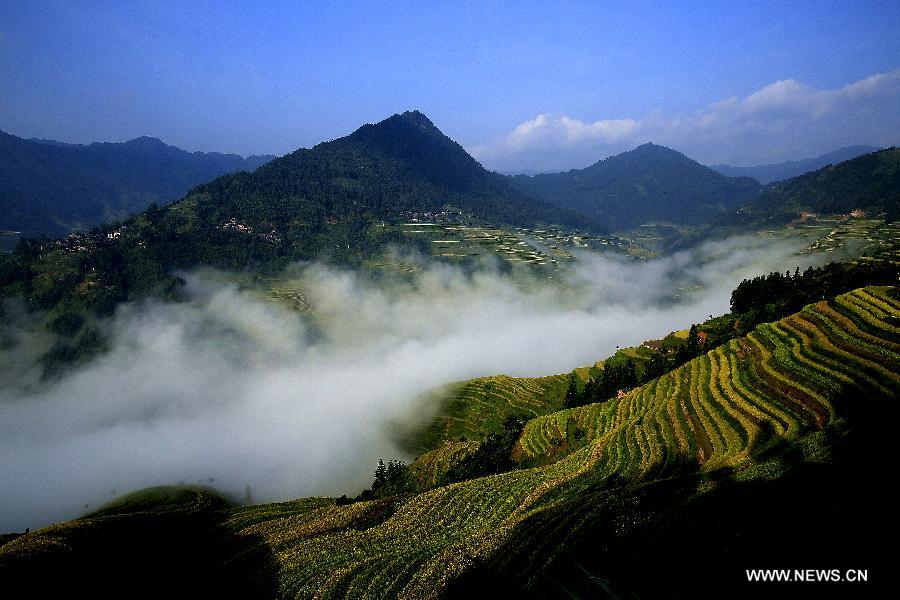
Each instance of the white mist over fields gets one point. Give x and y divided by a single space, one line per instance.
228 389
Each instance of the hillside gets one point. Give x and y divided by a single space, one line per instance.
647 184
384 171
692 467
769 173
55 188
870 182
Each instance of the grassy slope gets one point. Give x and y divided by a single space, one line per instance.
739 418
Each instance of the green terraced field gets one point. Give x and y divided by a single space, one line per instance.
471 410
429 469
734 413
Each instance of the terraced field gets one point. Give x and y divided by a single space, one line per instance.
544 250
472 409
718 411
745 395
429 469
724 414
838 232
289 296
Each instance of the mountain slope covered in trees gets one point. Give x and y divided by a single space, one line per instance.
402 164
649 183
870 182
54 188
329 202
792 168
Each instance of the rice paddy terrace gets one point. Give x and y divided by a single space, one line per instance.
472 409
741 414
847 233
547 250
740 398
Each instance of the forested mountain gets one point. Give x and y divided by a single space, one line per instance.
792 168
54 188
649 183
326 202
402 164
870 182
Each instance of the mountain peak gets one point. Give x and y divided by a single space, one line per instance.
416 118
145 141
648 184
409 120
646 155
656 148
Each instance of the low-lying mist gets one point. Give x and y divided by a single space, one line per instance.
229 389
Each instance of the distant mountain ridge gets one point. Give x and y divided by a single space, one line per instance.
870 182
769 173
649 183
50 187
150 142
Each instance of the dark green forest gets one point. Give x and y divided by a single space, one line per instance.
870 183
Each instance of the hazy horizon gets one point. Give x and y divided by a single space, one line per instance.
521 86
512 171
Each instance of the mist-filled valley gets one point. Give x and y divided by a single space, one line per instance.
232 390
448 300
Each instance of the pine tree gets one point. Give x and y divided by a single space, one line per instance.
380 475
572 399
607 382
394 473
589 394
693 342
629 380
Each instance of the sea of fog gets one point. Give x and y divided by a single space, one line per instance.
230 390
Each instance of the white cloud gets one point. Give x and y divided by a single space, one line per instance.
230 386
784 120
567 131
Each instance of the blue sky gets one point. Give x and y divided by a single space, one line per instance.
544 85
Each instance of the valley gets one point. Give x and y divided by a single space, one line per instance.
749 412
545 392
459 300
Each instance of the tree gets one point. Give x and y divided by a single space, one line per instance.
629 375
396 469
380 475
693 342
657 365
572 397
589 394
